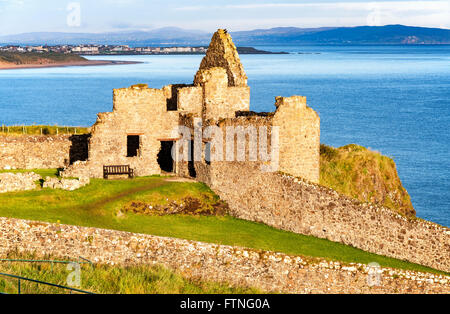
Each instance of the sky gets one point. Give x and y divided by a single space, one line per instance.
21 16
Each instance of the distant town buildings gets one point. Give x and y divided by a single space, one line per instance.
104 49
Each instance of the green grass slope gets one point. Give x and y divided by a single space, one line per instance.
365 175
102 279
101 205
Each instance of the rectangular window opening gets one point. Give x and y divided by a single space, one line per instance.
133 145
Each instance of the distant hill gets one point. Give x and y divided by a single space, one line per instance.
37 58
389 34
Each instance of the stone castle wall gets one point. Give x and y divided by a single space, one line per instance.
41 152
299 142
138 111
269 271
219 99
291 204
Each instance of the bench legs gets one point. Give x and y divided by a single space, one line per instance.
130 174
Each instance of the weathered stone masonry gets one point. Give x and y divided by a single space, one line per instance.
42 152
219 91
141 127
291 204
238 266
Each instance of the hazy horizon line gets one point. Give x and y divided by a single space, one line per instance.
209 32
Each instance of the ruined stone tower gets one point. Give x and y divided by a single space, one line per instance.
141 131
222 53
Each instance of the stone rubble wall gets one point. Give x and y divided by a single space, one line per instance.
291 204
269 271
42 152
13 182
66 184
34 152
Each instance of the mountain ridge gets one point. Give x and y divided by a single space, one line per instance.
388 34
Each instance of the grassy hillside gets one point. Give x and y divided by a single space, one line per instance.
104 204
365 175
104 279
42 130
38 58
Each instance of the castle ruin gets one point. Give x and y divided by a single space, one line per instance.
141 129
264 165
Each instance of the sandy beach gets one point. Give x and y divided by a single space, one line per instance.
9 66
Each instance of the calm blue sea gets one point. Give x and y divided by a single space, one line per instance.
393 99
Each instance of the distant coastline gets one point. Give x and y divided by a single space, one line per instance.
134 52
11 66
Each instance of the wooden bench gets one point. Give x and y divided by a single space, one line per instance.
117 170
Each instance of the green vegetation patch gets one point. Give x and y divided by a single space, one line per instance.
365 175
99 205
42 172
38 58
154 279
42 130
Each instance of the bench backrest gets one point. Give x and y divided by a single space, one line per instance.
116 169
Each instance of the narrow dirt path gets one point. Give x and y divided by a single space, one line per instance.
103 202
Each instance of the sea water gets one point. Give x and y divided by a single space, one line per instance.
392 99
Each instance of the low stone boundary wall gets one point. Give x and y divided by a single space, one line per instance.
42 152
268 271
291 204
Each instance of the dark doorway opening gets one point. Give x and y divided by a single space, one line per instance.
191 163
165 160
79 150
133 145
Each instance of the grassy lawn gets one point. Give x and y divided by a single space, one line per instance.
99 205
42 172
109 280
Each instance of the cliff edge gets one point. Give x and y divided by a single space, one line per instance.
365 175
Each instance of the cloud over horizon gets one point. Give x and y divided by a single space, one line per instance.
20 16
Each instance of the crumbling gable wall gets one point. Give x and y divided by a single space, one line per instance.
138 111
223 53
